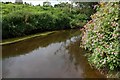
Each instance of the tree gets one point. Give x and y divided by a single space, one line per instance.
46 3
19 1
85 7
63 4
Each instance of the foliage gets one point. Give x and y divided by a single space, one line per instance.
101 37
47 4
19 1
62 5
23 19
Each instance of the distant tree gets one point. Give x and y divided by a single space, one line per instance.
38 5
19 1
26 3
82 5
6 2
47 3
63 4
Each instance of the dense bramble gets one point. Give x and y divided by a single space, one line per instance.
101 37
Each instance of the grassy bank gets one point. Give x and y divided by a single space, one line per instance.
14 40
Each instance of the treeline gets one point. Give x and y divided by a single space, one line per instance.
101 36
24 19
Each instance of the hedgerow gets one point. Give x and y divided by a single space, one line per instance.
21 19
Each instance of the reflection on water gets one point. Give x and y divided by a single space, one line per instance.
57 55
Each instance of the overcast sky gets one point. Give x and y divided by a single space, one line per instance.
36 2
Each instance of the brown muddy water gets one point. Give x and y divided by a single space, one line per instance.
57 55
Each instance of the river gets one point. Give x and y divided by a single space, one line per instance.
57 55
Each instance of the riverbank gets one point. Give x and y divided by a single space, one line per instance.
22 19
14 40
101 37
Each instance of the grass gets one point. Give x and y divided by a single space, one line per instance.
14 40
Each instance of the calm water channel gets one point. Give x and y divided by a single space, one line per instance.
57 55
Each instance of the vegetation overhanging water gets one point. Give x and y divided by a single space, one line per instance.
100 34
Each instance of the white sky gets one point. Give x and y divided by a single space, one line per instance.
36 2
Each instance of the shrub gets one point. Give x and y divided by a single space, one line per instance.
23 19
101 37
62 21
